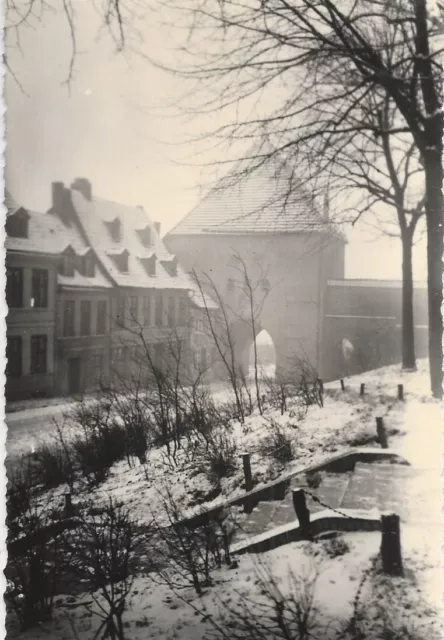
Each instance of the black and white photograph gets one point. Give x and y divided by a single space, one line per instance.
223 334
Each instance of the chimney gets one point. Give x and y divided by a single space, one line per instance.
58 197
157 228
84 186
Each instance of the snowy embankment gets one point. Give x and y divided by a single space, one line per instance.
385 604
346 420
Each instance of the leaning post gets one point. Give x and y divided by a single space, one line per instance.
382 434
391 555
302 513
246 462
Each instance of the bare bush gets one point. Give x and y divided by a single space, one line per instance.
189 552
35 565
277 444
102 441
218 460
104 548
271 614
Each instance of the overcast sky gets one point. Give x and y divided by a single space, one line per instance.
111 128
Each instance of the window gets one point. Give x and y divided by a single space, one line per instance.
266 285
68 318
101 318
14 287
39 288
121 260
17 225
67 264
147 311
120 312
230 284
14 356
38 354
114 230
159 310
133 310
171 312
145 236
85 317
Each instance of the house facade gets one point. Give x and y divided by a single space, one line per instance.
31 283
98 291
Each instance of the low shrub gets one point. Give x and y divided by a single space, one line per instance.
218 459
277 444
51 466
97 450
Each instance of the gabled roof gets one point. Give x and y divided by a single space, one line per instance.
257 203
94 215
10 203
47 234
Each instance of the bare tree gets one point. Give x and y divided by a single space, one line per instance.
322 59
383 169
255 305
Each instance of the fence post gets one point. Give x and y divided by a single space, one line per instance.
68 504
382 434
362 389
302 513
391 555
400 392
247 471
342 385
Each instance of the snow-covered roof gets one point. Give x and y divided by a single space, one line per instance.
95 216
202 300
256 203
47 234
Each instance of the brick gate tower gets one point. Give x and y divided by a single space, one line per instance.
290 250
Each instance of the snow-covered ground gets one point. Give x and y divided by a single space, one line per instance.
345 419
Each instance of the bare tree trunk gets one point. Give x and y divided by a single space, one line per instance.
408 331
434 209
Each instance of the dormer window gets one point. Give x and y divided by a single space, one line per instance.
17 224
114 228
121 260
88 265
170 266
68 262
145 236
149 264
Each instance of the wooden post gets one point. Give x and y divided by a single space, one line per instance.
247 471
382 434
362 389
302 513
342 385
321 391
68 504
400 392
391 555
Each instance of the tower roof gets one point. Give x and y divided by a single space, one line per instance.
260 203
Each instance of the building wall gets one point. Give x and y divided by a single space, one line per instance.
369 316
29 321
296 267
81 347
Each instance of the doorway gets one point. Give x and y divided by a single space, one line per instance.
73 376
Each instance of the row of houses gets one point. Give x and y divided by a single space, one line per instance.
89 283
